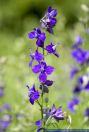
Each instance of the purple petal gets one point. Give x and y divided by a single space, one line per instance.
38 56
50 30
80 79
59 114
42 77
49 70
1 91
36 95
53 22
36 68
38 30
48 82
53 110
49 9
54 12
86 113
6 120
49 48
31 101
87 86
73 72
39 43
78 41
38 123
32 35
6 106
42 36
71 106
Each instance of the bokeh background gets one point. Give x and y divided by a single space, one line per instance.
17 18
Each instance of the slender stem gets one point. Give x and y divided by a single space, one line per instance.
41 108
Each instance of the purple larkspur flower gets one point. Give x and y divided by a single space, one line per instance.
44 70
81 80
84 82
32 56
33 94
86 113
5 121
49 20
71 105
73 72
39 35
6 106
35 56
77 89
1 91
51 12
78 41
80 55
56 113
87 86
51 48
39 125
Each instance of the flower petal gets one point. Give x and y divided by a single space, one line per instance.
31 101
48 82
36 68
32 35
49 70
38 56
38 123
42 77
39 43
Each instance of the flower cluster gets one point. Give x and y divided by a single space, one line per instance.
79 54
43 70
49 20
5 117
82 58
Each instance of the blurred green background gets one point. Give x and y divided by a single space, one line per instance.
17 18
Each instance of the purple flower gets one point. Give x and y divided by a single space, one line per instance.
81 80
77 89
35 56
44 70
40 36
87 86
38 123
80 55
32 55
49 82
33 94
5 121
73 72
86 113
6 106
1 91
52 12
78 41
57 113
52 49
71 105
49 20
